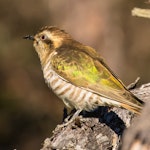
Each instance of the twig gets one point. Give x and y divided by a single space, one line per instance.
141 12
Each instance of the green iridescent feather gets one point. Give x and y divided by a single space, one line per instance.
84 68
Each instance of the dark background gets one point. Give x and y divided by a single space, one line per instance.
29 111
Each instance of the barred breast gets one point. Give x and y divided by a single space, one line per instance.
72 96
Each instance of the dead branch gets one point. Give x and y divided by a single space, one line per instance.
101 129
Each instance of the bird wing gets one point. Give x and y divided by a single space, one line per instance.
84 68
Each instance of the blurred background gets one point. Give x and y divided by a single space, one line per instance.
29 111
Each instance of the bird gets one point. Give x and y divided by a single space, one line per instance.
78 75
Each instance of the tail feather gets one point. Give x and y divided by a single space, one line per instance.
133 104
134 109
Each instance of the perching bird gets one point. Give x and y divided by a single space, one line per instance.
77 74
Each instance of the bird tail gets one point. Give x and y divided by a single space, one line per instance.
136 107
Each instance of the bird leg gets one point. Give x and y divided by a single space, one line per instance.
69 120
73 117
65 114
68 116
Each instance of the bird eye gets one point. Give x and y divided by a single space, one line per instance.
43 37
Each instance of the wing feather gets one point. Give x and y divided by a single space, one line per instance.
83 67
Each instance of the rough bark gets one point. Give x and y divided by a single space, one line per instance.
137 137
103 129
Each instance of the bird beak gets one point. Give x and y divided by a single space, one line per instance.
29 37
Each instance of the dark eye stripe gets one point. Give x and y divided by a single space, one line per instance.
48 41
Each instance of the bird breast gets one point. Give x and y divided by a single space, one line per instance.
73 96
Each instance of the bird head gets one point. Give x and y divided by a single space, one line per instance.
48 39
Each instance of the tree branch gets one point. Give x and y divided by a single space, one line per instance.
101 129
141 12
